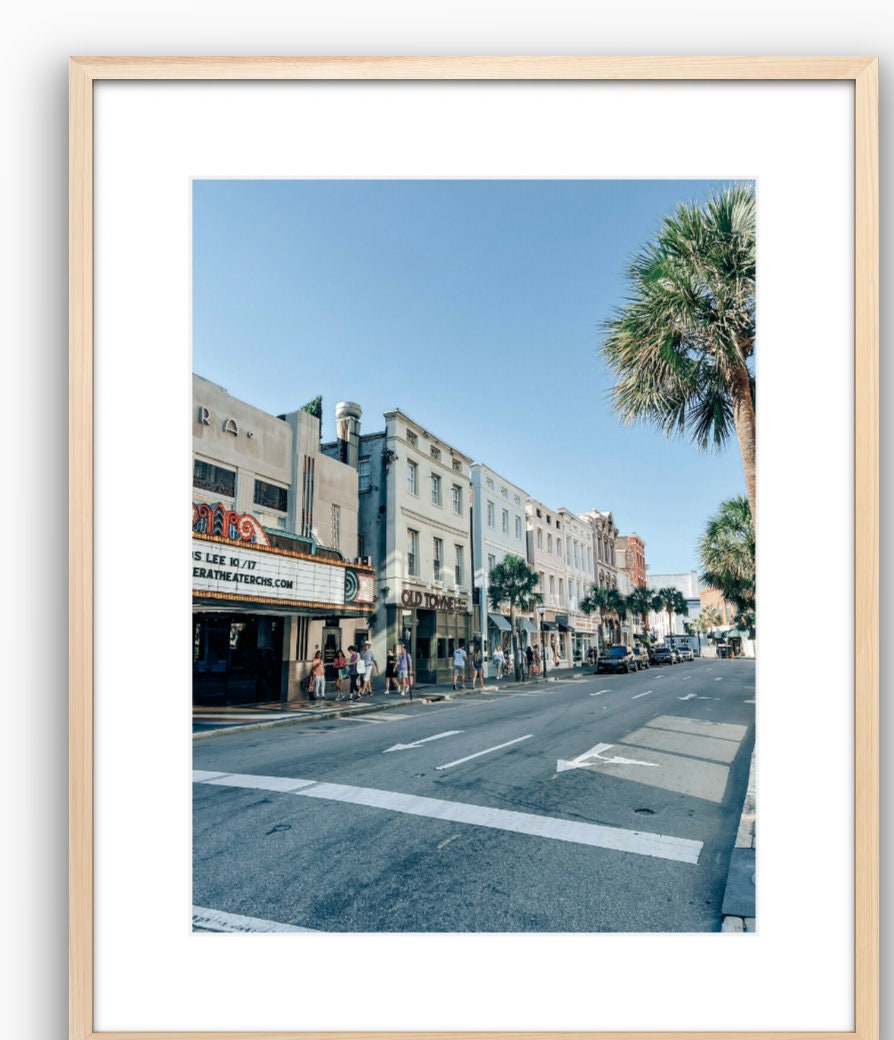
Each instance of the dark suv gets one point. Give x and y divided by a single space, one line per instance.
616 659
663 655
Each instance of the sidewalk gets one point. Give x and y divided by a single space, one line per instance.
213 721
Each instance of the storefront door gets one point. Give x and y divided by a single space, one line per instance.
236 659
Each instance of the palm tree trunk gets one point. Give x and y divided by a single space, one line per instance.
743 416
513 641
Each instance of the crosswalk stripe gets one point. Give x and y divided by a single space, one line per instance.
220 921
641 843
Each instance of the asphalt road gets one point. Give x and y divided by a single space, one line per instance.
608 803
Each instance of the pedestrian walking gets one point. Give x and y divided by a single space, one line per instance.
353 662
368 661
403 670
477 668
459 667
536 661
340 665
499 658
318 671
529 659
390 666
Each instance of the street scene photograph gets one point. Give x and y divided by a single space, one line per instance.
473 556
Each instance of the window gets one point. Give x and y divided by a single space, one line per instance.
561 590
412 552
577 555
435 490
336 527
412 483
539 537
490 483
412 438
491 563
363 475
435 453
552 588
270 496
458 569
490 514
214 478
505 521
437 557
517 500
539 515
457 466
504 492
549 543
518 527
457 500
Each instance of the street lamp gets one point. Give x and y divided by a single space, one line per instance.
543 654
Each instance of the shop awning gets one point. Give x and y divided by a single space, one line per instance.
549 626
566 628
500 622
527 626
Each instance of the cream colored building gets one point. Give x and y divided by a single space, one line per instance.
546 554
275 572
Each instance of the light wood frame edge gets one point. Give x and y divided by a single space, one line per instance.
863 72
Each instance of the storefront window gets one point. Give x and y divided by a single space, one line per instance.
213 478
270 496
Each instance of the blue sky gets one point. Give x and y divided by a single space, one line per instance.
474 306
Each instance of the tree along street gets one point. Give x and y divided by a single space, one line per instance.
605 803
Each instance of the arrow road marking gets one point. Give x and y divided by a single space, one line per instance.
586 759
425 740
486 751
688 697
599 693
637 696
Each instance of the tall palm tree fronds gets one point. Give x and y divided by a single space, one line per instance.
727 553
512 581
640 602
671 600
610 604
681 345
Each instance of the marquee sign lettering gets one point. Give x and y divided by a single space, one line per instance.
221 522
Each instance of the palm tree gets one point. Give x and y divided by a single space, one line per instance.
640 602
609 603
674 602
680 348
513 582
726 552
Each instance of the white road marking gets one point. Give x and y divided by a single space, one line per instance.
425 740
218 921
688 697
486 751
637 696
587 759
598 693
641 843
719 678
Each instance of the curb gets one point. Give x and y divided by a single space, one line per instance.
425 695
738 911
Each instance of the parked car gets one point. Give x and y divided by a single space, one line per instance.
663 655
616 658
685 653
642 657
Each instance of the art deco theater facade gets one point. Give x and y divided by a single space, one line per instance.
274 541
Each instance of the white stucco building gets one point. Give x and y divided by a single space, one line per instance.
498 530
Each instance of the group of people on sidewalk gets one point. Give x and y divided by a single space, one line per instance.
357 670
358 667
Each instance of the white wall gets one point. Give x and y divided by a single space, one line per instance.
33 214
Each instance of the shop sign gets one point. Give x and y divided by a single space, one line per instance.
239 571
434 601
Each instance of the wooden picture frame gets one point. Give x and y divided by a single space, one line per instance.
85 72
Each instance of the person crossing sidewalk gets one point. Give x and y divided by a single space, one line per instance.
459 667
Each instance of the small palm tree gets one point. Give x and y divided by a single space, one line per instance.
515 583
680 348
609 603
727 553
640 602
673 602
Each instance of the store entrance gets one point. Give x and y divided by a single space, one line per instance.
236 659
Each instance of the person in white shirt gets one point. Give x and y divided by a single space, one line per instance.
498 660
459 666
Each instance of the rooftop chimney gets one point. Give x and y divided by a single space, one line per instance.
347 425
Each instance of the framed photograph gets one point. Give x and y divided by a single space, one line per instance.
453 243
